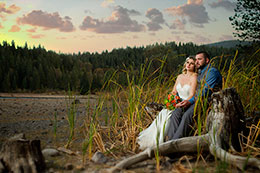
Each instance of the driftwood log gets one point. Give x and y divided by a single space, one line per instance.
20 155
224 123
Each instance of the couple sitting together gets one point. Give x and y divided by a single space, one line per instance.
198 78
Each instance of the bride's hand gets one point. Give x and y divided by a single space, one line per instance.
184 103
173 93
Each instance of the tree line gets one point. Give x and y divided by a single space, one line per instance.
36 69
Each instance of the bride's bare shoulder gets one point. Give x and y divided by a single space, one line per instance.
180 75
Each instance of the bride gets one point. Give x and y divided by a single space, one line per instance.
185 87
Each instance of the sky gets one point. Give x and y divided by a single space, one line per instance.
73 26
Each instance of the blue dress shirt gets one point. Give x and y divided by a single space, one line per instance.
209 77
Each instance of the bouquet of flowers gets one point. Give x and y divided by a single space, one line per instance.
171 101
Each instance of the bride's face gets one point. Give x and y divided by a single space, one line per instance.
190 65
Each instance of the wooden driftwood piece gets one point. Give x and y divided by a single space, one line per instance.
224 123
20 155
188 144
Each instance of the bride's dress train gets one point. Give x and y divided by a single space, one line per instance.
148 137
155 133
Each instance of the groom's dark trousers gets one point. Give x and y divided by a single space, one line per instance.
180 122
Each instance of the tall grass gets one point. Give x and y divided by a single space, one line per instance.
71 116
91 128
113 125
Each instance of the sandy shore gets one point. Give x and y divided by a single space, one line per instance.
33 114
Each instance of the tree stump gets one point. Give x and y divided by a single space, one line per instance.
20 155
225 121
227 118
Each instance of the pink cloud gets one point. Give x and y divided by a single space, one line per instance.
1 26
33 30
61 38
194 10
47 21
9 10
178 24
36 36
198 2
118 22
14 28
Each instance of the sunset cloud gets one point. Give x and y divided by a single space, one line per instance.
12 9
33 30
46 20
230 6
194 10
118 22
1 26
106 3
14 28
156 19
36 36
178 24
4 11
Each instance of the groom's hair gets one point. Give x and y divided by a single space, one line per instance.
205 54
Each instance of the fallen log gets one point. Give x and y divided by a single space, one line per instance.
20 155
224 123
188 145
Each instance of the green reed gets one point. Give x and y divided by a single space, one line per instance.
91 126
54 123
71 116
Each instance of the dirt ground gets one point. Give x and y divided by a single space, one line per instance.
33 115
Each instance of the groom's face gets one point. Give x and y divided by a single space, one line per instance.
201 61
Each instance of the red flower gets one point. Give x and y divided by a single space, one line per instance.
171 101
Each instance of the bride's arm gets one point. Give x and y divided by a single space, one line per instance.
193 86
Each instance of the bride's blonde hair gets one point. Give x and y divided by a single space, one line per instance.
184 70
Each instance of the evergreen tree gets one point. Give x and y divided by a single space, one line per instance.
246 20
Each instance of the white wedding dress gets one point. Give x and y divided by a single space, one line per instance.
158 128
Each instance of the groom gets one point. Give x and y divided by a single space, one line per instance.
209 79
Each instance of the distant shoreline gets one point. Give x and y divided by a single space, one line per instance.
41 96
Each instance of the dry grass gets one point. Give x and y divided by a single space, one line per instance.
114 131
